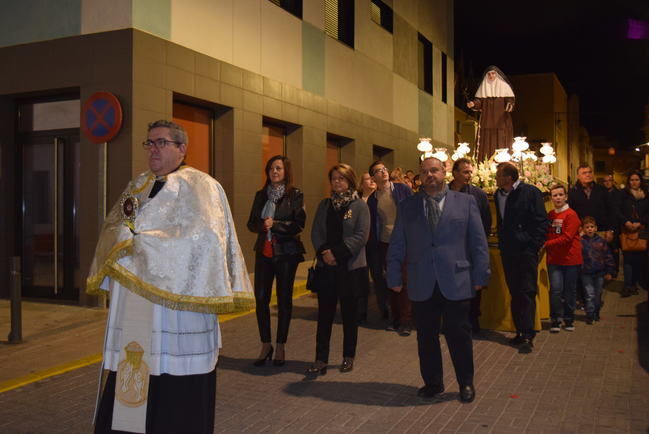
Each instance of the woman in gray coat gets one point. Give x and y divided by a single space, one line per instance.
339 234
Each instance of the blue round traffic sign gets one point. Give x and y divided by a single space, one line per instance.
101 117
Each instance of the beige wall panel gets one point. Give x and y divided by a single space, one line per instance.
204 25
561 128
435 18
405 96
372 85
281 45
247 34
371 39
533 112
405 49
450 85
339 69
97 17
408 10
441 117
313 12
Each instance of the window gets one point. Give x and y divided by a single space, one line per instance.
384 154
381 14
197 121
425 64
333 153
292 6
50 115
444 78
332 157
273 142
339 20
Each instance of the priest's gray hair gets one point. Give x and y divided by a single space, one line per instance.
177 132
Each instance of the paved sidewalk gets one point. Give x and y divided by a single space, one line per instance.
594 379
53 335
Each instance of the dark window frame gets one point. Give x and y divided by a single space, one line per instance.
386 19
346 21
294 7
444 77
427 63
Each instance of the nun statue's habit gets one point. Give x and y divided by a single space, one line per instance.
495 100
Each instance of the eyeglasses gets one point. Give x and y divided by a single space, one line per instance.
158 143
380 169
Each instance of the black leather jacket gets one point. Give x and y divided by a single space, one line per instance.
288 222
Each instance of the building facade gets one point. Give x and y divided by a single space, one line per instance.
321 81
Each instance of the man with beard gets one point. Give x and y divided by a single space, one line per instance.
439 234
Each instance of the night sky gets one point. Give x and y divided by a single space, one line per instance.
599 50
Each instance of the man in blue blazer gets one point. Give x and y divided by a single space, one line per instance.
439 235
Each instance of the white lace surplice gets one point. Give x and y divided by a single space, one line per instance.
182 342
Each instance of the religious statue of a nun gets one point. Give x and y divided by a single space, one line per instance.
495 100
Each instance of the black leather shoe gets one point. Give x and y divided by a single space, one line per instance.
317 368
404 331
467 393
526 346
262 361
429 391
516 340
347 365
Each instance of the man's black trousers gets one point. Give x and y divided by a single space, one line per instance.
521 275
428 316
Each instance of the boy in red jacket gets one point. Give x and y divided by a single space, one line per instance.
564 259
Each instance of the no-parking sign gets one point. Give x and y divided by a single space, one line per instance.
101 117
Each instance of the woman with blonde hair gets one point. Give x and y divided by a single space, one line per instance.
340 231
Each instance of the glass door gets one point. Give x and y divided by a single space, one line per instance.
48 209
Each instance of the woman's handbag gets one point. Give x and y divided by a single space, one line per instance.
314 277
632 242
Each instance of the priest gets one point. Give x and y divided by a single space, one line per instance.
494 99
168 255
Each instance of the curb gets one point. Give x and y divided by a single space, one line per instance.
299 290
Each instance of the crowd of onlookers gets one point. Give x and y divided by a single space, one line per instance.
584 234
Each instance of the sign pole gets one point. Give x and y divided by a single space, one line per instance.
101 121
102 191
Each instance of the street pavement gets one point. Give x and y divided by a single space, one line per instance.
595 379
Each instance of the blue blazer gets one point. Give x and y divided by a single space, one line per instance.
455 256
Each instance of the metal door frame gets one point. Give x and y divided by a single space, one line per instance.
58 138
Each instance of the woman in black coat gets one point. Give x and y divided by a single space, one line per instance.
340 231
278 217
634 217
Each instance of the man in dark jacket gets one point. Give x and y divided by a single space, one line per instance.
588 198
522 223
383 212
462 171
615 197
